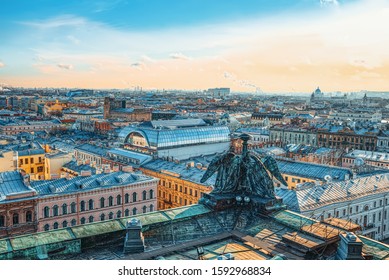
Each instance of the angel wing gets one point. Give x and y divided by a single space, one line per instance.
215 165
261 181
271 165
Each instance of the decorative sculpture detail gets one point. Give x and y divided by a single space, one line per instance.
246 173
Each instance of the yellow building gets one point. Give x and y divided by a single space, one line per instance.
175 191
31 159
54 162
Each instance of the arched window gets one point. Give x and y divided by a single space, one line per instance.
151 193
119 199
55 226
366 208
126 198
46 227
134 197
144 209
119 214
46 212
90 204
102 202
55 210
73 207
144 195
64 224
73 222
82 206
126 212
110 201
134 210
102 217
110 216
91 219
2 220
28 216
151 207
64 209
82 220
15 219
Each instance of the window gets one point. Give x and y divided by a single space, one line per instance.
32 170
379 216
102 217
82 206
375 204
134 210
144 209
91 219
102 202
127 213
144 195
134 197
40 169
119 214
356 208
55 210
91 204
46 212
110 215
337 214
28 216
126 198
2 221
65 224
73 222
110 201
55 226
26 161
46 227
64 209
73 207
119 199
151 207
82 220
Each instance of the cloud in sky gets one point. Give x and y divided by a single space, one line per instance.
65 66
180 56
320 46
2 64
329 3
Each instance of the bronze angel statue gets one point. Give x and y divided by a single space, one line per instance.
246 173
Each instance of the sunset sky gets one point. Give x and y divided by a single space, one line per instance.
270 46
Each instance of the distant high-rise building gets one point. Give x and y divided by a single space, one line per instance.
219 92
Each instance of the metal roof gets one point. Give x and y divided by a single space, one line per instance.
313 171
85 183
11 182
309 196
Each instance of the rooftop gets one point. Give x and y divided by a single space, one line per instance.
12 184
309 196
312 170
86 183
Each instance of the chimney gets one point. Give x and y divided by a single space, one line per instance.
350 247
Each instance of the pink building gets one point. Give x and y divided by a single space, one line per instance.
86 199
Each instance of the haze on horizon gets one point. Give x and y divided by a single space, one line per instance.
273 46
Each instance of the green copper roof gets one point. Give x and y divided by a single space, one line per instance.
3 246
186 211
97 228
292 219
41 238
379 250
148 218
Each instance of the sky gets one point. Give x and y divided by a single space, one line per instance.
247 45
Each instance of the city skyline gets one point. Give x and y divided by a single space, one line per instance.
288 46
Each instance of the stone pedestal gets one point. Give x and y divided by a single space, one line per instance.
134 241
